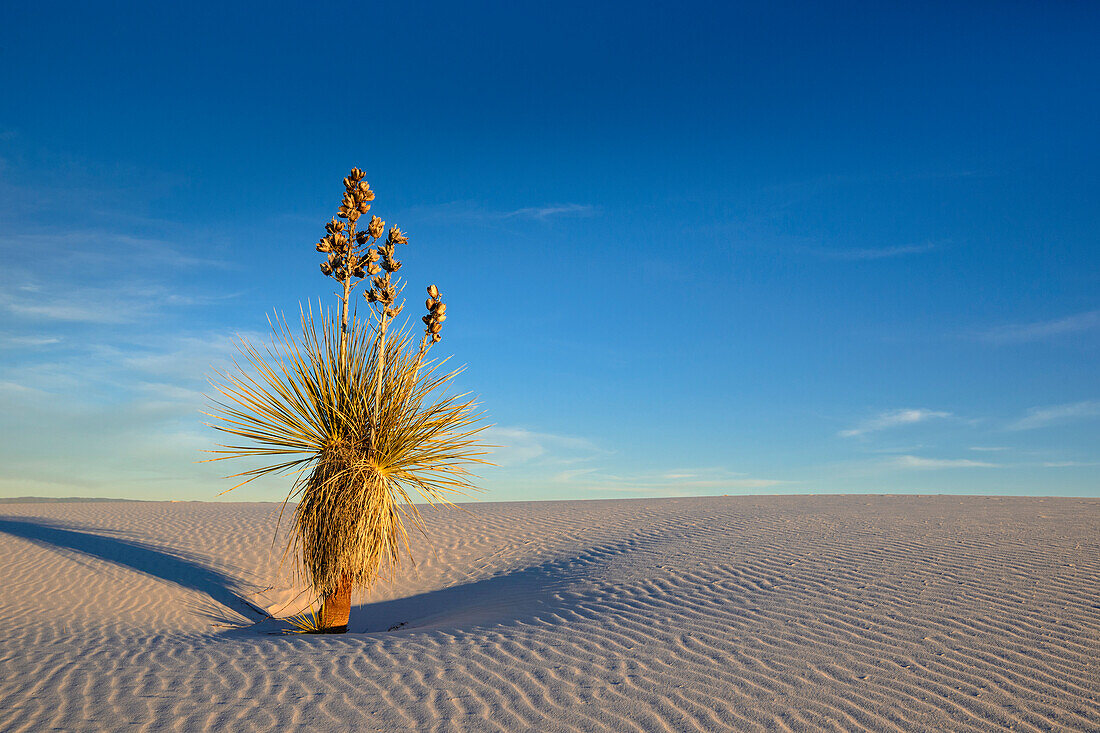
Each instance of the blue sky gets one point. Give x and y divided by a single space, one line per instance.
686 248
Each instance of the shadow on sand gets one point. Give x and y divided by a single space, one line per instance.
176 567
517 596
561 588
532 594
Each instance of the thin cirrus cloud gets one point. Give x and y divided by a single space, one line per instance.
30 294
78 305
574 463
679 482
98 305
1041 417
892 419
543 213
1042 330
475 212
22 342
117 371
143 400
513 446
97 247
919 463
876 253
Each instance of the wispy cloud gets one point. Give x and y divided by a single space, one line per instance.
542 213
893 419
107 373
107 248
917 462
475 212
875 253
122 303
679 481
1041 417
988 448
639 486
76 304
25 342
1040 330
19 388
578 465
519 445
128 415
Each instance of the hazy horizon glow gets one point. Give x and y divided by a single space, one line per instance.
709 250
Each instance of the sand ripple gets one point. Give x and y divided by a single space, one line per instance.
743 613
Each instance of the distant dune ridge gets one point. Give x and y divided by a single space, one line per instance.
57 500
744 613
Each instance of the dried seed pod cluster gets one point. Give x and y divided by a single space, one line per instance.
340 242
383 290
437 313
354 255
357 196
335 244
349 256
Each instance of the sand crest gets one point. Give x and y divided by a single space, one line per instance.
744 613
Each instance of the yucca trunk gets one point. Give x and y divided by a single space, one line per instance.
336 609
349 529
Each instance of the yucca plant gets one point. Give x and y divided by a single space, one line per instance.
356 414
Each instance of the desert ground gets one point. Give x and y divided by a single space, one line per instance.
808 613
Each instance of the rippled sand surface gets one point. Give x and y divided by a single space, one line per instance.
875 613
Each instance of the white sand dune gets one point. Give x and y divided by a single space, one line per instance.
873 613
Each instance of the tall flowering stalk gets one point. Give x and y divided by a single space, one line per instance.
355 411
356 255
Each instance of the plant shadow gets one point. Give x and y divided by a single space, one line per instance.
553 591
557 591
524 595
181 568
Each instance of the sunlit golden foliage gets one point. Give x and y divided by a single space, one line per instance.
362 450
